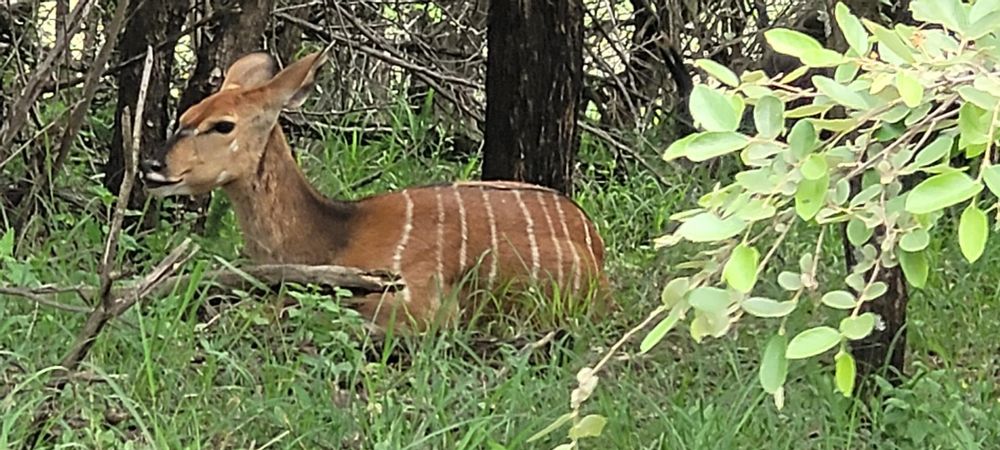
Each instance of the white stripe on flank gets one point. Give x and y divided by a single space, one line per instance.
463 250
530 228
397 257
440 237
572 246
494 247
552 232
586 231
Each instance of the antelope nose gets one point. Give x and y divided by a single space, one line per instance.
150 166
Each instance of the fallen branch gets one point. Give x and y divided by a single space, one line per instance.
272 276
112 307
41 299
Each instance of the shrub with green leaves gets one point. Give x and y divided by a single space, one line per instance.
900 104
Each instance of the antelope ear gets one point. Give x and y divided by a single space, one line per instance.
290 87
252 70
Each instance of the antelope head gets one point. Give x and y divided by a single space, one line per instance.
222 139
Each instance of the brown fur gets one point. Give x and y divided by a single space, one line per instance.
285 220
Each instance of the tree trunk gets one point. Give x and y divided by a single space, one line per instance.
534 77
151 22
231 37
886 346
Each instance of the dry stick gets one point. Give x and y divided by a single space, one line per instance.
43 300
112 307
79 113
272 275
104 311
131 136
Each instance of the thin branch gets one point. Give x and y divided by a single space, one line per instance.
29 294
131 136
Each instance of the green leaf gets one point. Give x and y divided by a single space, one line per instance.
740 271
814 167
7 244
991 175
713 110
802 46
678 148
790 281
674 291
660 330
802 139
973 230
858 327
890 40
839 300
766 307
910 89
846 72
840 93
713 144
810 196
769 116
808 110
941 191
977 97
844 373
708 227
812 342
915 240
555 425
876 290
857 232
590 426
934 151
853 31
973 125
982 8
718 71
949 13
707 324
773 364
711 300
914 266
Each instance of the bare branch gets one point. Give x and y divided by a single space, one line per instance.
44 300
131 137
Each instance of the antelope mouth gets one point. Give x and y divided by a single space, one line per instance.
155 180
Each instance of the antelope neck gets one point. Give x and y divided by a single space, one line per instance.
284 219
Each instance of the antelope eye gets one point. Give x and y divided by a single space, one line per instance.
223 127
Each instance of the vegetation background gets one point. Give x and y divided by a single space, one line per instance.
403 103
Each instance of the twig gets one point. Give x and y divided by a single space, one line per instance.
43 300
105 311
131 136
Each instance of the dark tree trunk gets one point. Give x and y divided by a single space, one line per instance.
534 76
885 347
234 35
151 22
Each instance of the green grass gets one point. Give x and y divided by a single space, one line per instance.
164 377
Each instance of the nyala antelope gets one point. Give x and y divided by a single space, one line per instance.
501 233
